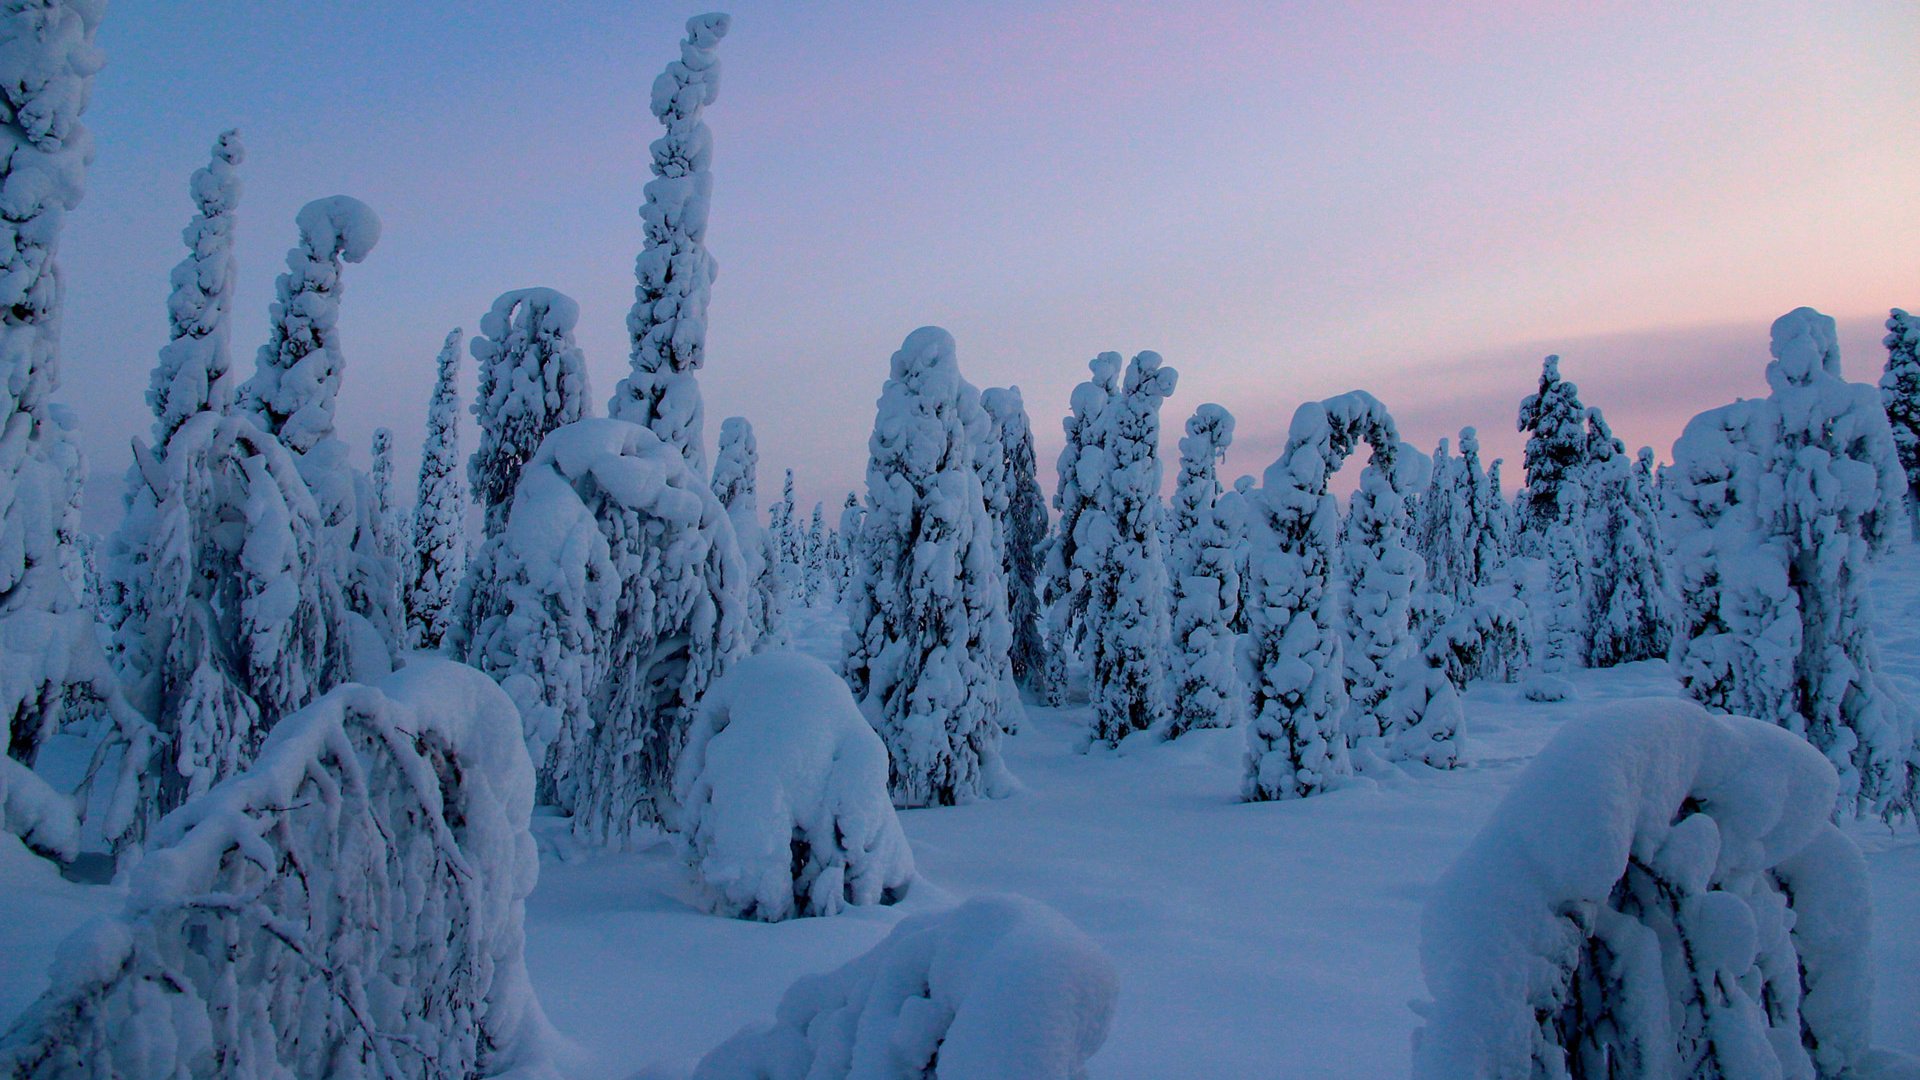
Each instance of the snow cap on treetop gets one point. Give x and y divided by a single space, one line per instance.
1804 345
339 224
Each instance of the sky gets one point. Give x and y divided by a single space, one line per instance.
1287 201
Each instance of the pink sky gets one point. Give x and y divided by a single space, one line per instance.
1285 201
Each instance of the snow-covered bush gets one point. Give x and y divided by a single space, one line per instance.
351 905
1900 397
1125 560
1024 543
736 465
1660 894
1291 657
1421 718
1206 583
1483 640
999 988
609 603
533 379
1777 505
439 556
674 272
782 792
928 636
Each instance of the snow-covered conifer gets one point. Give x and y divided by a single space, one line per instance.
1478 559
814 563
1442 531
852 517
1024 540
1627 590
194 370
1125 559
1291 656
1499 518
674 272
1555 423
928 633
613 598
375 581
1381 576
533 379
1206 582
736 466
1082 465
439 556
1564 546
1777 505
1900 397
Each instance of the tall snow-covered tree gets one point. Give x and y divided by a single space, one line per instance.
1478 559
1206 582
815 563
439 556
1900 396
928 628
1564 545
383 501
533 379
194 370
674 272
1082 465
736 466
1777 505
1024 540
1499 518
1442 531
1126 562
1555 424
852 517
1382 573
1627 617
375 584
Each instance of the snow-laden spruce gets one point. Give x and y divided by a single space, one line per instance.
1660 894
533 379
1900 397
999 988
1442 532
1381 576
194 369
1125 561
736 464
1627 590
439 556
50 659
606 607
1024 539
351 905
1555 423
674 272
1080 469
1778 504
928 635
1291 656
374 582
1563 544
782 792
787 544
1206 583
990 465
814 569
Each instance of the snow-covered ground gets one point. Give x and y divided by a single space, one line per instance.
1252 940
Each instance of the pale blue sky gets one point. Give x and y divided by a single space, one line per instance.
1287 201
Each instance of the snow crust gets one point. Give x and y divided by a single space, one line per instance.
999 988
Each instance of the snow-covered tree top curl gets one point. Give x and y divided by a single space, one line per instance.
1805 347
1211 429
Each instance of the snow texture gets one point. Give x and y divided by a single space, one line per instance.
1660 895
609 603
1777 506
783 798
439 531
999 988
352 905
928 636
1206 583
674 272
533 379
1024 544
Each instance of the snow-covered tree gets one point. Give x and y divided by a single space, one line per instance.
351 905
1900 396
814 563
1381 576
789 545
736 466
1777 505
1499 517
999 987
439 556
1236 513
852 517
533 379
1563 544
674 272
1206 583
606 607
1024 540
1627 590
1291 656
782 790
1442 531
928 633
1125 561
1555 424
194 370
1082 465
1660 894
1479 560
375 582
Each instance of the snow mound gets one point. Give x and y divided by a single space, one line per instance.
783 795
33 811
1659 895
999 988
1546 688
350 905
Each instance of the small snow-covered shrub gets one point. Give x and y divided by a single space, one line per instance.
1658 895
1484 640
999 988
783 795
351 905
